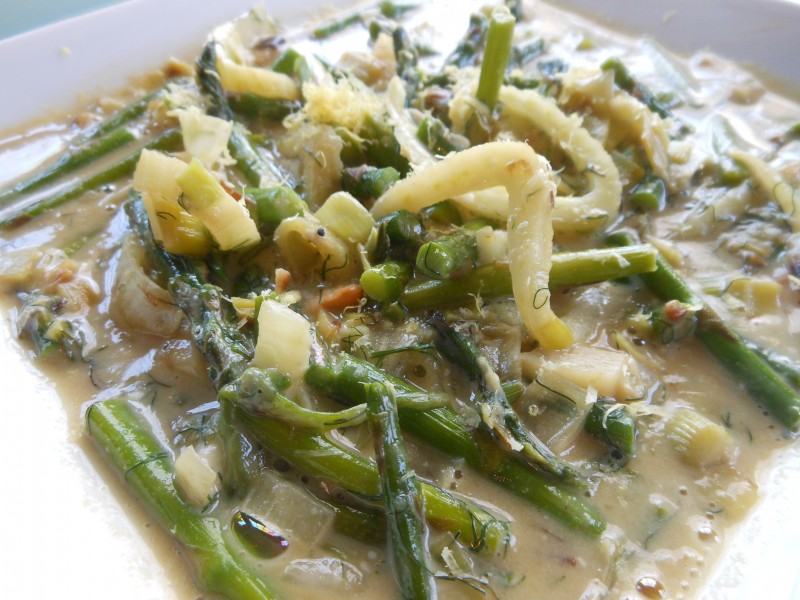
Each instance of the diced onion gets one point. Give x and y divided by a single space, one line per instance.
284 339
611 372
346 217
205 137
194 477
227 219
309 248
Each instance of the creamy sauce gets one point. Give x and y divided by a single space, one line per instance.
668 521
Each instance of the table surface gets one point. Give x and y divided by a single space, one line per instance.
19 16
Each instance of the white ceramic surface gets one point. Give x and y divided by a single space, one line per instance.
65 535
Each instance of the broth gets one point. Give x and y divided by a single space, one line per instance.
668 521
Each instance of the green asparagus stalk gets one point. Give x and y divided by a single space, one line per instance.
390 10
122 436
124 115
406 58
228 353
393 10
448 256
496 412
399 236
255 169
495 57
443 213
568 268
259 393
763 384
168 140
226 349
367 526
268 109
273 204
650 194
328 29
467 52
521 55
368 182
375 144
438 138
626 81
407 533
293 64
513 390
782 365
406 54
442 428
72 160
381 147
314 454
613 424
384 282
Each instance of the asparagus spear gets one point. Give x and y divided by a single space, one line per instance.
759 379
293 64
613 424
495 410
626 81
407 533
650 194
368 526
255 169
147 467
782 365
467 52
259 393
399 235
385 281
314 454
407 59
448 255
442 428
442 213
74 158
228 353
226 349
124 115
569 268
438 138
168 140
368 182
390 10
273 204
332 27
495 57
257 107
521 55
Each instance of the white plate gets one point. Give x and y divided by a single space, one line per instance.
67 536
